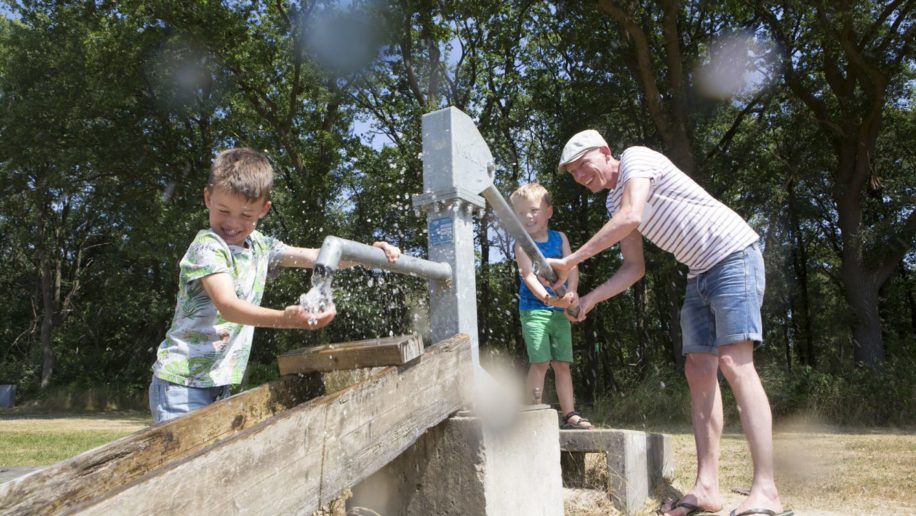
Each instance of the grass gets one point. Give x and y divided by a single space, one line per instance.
40 448
821 470
42 439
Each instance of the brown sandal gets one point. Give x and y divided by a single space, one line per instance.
580 424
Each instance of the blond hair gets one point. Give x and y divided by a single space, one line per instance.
531 192
242 171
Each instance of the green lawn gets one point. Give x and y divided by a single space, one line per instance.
36 448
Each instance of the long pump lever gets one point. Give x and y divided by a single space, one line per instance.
511 223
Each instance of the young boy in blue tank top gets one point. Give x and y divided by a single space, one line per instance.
546 330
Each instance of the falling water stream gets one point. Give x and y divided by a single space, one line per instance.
319 298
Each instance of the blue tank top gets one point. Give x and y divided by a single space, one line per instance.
552 248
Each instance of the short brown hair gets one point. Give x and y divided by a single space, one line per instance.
242 171
531 192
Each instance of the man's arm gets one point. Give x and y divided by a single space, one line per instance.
221 290
572 283
623 223
632 269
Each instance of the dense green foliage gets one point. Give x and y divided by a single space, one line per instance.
798 117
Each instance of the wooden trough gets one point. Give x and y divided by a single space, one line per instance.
279 448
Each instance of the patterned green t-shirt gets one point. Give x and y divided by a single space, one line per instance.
201 349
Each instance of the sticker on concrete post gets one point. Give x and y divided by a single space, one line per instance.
441 231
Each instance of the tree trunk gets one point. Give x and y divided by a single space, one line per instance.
800 264
861 292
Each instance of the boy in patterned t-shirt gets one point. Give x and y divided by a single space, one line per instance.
221 283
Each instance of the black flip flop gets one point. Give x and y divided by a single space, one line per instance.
681 504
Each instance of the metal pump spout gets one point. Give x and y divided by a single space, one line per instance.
335 249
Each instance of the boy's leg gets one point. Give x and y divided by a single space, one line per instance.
561 352
537 343
535 383
168 400
563 379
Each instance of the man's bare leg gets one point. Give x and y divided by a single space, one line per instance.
737 363
706 411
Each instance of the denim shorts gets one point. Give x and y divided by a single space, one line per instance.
722 305
169 400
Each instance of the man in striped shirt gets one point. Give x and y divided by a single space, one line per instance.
720 318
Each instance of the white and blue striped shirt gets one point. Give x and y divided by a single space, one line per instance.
680 217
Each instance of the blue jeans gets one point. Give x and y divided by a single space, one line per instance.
169 400
722 305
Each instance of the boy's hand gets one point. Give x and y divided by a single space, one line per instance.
297 317
391 252
561 267
569 299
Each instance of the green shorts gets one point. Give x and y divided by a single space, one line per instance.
548 336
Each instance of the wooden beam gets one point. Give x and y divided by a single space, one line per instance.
301 458
352 355
59 487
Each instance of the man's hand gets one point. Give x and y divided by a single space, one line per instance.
586 303
561 268
297 317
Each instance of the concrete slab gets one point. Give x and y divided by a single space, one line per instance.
464 467
636 461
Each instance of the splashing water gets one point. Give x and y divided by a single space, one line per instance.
319 298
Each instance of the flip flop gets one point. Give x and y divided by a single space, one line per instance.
767 512
691 508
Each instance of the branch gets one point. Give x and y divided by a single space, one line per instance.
644 72
847 39
675 64
889 9
406 47
736 123
817 106
900 243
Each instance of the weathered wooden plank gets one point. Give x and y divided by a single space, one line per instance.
352 355
302 458
96 472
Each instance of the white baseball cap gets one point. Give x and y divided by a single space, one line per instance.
578 145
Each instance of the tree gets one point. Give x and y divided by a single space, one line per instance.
845 62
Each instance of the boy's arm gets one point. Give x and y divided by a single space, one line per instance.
298 257
221 290
306 257
526 270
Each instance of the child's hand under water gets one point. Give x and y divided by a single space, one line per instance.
298 317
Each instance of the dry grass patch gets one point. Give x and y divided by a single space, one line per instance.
821 471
